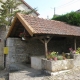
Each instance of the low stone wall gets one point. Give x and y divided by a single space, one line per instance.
57 65
76 60
51 65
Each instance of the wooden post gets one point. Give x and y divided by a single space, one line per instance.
75 43
46 49
45 41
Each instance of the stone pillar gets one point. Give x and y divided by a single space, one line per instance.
9 44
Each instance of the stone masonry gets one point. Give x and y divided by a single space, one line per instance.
20 51
2 38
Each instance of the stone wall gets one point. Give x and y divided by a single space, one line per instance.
51 65
58 65
20 51
2 38
62 44
76 60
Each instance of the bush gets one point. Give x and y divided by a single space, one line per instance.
60 57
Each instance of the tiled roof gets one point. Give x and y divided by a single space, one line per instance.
43 26
35 26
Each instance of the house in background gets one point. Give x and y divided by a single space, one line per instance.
78 11
25 7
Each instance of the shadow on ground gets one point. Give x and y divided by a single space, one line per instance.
26 69
4 75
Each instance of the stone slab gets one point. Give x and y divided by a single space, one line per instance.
36 62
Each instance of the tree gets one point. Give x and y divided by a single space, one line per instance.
8 11
72 18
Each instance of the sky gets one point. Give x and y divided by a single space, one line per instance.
46 7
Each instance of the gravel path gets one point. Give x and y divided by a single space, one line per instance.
27 73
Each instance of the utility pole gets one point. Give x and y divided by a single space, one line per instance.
47 17
54 11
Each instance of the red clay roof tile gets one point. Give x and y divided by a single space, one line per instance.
43 26
35 25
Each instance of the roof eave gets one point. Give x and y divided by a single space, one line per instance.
25 24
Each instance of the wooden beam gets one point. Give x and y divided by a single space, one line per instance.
45 40
41 40
49 39
75 43
46 49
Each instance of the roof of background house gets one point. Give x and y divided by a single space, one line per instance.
35 25
29 6
78 11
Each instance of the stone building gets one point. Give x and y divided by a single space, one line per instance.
40 36
25 7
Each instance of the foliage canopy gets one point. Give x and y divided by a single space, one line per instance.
72 18
7 11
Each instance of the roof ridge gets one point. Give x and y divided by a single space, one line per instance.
43 18
33 16
48 19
